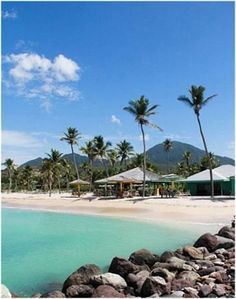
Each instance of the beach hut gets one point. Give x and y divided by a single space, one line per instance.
78 183
223 176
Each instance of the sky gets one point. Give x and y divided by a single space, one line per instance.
78 64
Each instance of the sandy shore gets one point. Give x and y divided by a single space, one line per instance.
188 212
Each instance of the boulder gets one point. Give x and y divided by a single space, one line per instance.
176 294
193 252
162 272
122 267
5 293
227 232
81 276
205 290
191 292
141 276
189 275
79 291
105 291
180 284
207 240
114 280
155 285
224 242
166 255
131 279
219 290
142 257
206 271
53 294
210 257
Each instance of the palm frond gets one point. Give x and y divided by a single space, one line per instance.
155 126
185 100
208 99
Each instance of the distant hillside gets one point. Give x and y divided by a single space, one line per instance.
158 155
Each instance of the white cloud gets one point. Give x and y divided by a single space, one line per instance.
36 76
115 120
176 137
9 14
19 139
147 137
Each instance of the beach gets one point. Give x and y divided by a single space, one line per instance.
185 211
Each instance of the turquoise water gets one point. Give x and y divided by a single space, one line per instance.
40 249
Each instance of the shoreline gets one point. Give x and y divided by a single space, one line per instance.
190 213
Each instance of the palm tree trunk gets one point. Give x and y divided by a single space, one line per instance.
208 158
59 185
105 168
91 175
168 170
144 160
76 168
10 181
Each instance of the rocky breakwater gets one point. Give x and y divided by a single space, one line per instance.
204 270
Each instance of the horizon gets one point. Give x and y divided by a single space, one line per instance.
78 64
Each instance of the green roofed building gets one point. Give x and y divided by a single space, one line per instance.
224 181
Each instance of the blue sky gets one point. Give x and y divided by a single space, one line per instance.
78 64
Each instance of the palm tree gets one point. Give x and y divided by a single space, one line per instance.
168 145
141 111
72 137
187 155
27 173
124 151
57 161
47 172
90 151
112 156
205 161
196 102
9 163
101 149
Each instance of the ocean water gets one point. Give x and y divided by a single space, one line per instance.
40 249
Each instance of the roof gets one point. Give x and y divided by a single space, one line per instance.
221 173
134 175
79 182
170 177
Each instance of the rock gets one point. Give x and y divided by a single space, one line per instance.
193 252
114 280
162 272
13 295
166 255
79 291
221 251
224 242
194 266
206 271
131 279
189 275
5 293
36 295
227 232
205 290
105 291
219 290
176 294
141 276
217 276
207 240
155 285
122 267
179 284
176 263
81 276
142 257
203 250
204 263
190 293
53 294
210 257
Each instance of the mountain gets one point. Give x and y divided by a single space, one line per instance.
158 155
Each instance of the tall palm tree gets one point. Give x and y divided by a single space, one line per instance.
141 111
168 145
101 149
197 102
57 161
9 163
71 136
27 174
47 172
112 156
90 151
124 151
187 155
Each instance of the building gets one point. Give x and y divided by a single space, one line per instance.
224 181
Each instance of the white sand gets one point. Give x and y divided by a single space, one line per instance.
188 212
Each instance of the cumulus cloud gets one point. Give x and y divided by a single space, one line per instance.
115 120
19 139
36 76
9 14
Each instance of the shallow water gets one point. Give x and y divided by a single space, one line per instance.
40 249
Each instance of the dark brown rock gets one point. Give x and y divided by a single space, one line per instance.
162 272
166 255
131 279
205 290
188 275
81 276
142 257
206 271
179 284
105 291
207 240
122 267
79 291
224 242
53 294
155 285
227 232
